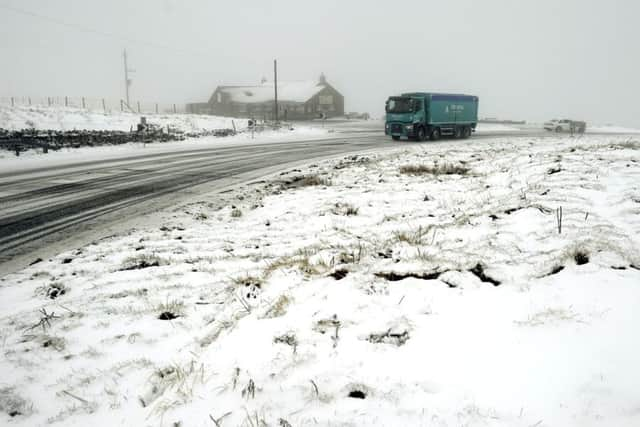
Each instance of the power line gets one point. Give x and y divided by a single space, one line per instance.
89 30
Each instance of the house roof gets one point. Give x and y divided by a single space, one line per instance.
287 91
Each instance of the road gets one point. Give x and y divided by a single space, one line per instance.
44 210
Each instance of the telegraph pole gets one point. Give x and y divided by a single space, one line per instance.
127 80
275 85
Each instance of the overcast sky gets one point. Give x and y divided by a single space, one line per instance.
526 59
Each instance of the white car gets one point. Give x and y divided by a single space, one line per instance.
565 125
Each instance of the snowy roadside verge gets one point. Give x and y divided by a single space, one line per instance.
429 284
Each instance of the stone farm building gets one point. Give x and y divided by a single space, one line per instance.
296 101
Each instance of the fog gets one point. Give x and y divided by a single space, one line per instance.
532 60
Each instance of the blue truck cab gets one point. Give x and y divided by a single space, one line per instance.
422 115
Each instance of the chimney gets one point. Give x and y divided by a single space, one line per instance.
323 79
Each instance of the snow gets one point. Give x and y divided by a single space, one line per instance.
612 129
60 118
292 91
265 333
496 127
68 118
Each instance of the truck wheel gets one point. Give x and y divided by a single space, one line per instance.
558 129
435 134
457 133
421 135
466 132
395 137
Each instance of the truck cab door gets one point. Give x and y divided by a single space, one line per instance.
418 110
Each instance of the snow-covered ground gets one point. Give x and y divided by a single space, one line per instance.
612 129
67 118
496 128
376 290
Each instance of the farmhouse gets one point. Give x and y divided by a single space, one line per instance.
296 101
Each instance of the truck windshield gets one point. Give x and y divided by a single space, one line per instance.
399 105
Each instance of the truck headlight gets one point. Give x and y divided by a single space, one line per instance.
409 127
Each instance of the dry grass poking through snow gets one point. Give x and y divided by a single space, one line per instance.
438 169
310 180
142 261
12 404
346 209
417 237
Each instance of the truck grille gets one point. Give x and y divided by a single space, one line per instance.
396 128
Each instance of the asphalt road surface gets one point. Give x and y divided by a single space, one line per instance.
42 210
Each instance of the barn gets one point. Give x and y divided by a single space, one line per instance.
297 100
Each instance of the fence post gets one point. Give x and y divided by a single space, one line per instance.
29 101
138 107
104 106
49 101
156 108
12 102
174 109
66 101
83 104
121 105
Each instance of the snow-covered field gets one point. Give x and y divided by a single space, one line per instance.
61 118
612 129
426 286
496 128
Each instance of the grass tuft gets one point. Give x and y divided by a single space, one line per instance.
415 238
12 404
345 209
170 310
278 308
443 169
300 261
141 261
306 181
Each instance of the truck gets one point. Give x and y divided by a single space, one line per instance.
422 115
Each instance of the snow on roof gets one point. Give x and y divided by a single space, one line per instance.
287 91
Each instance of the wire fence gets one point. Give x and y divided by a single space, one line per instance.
105 105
